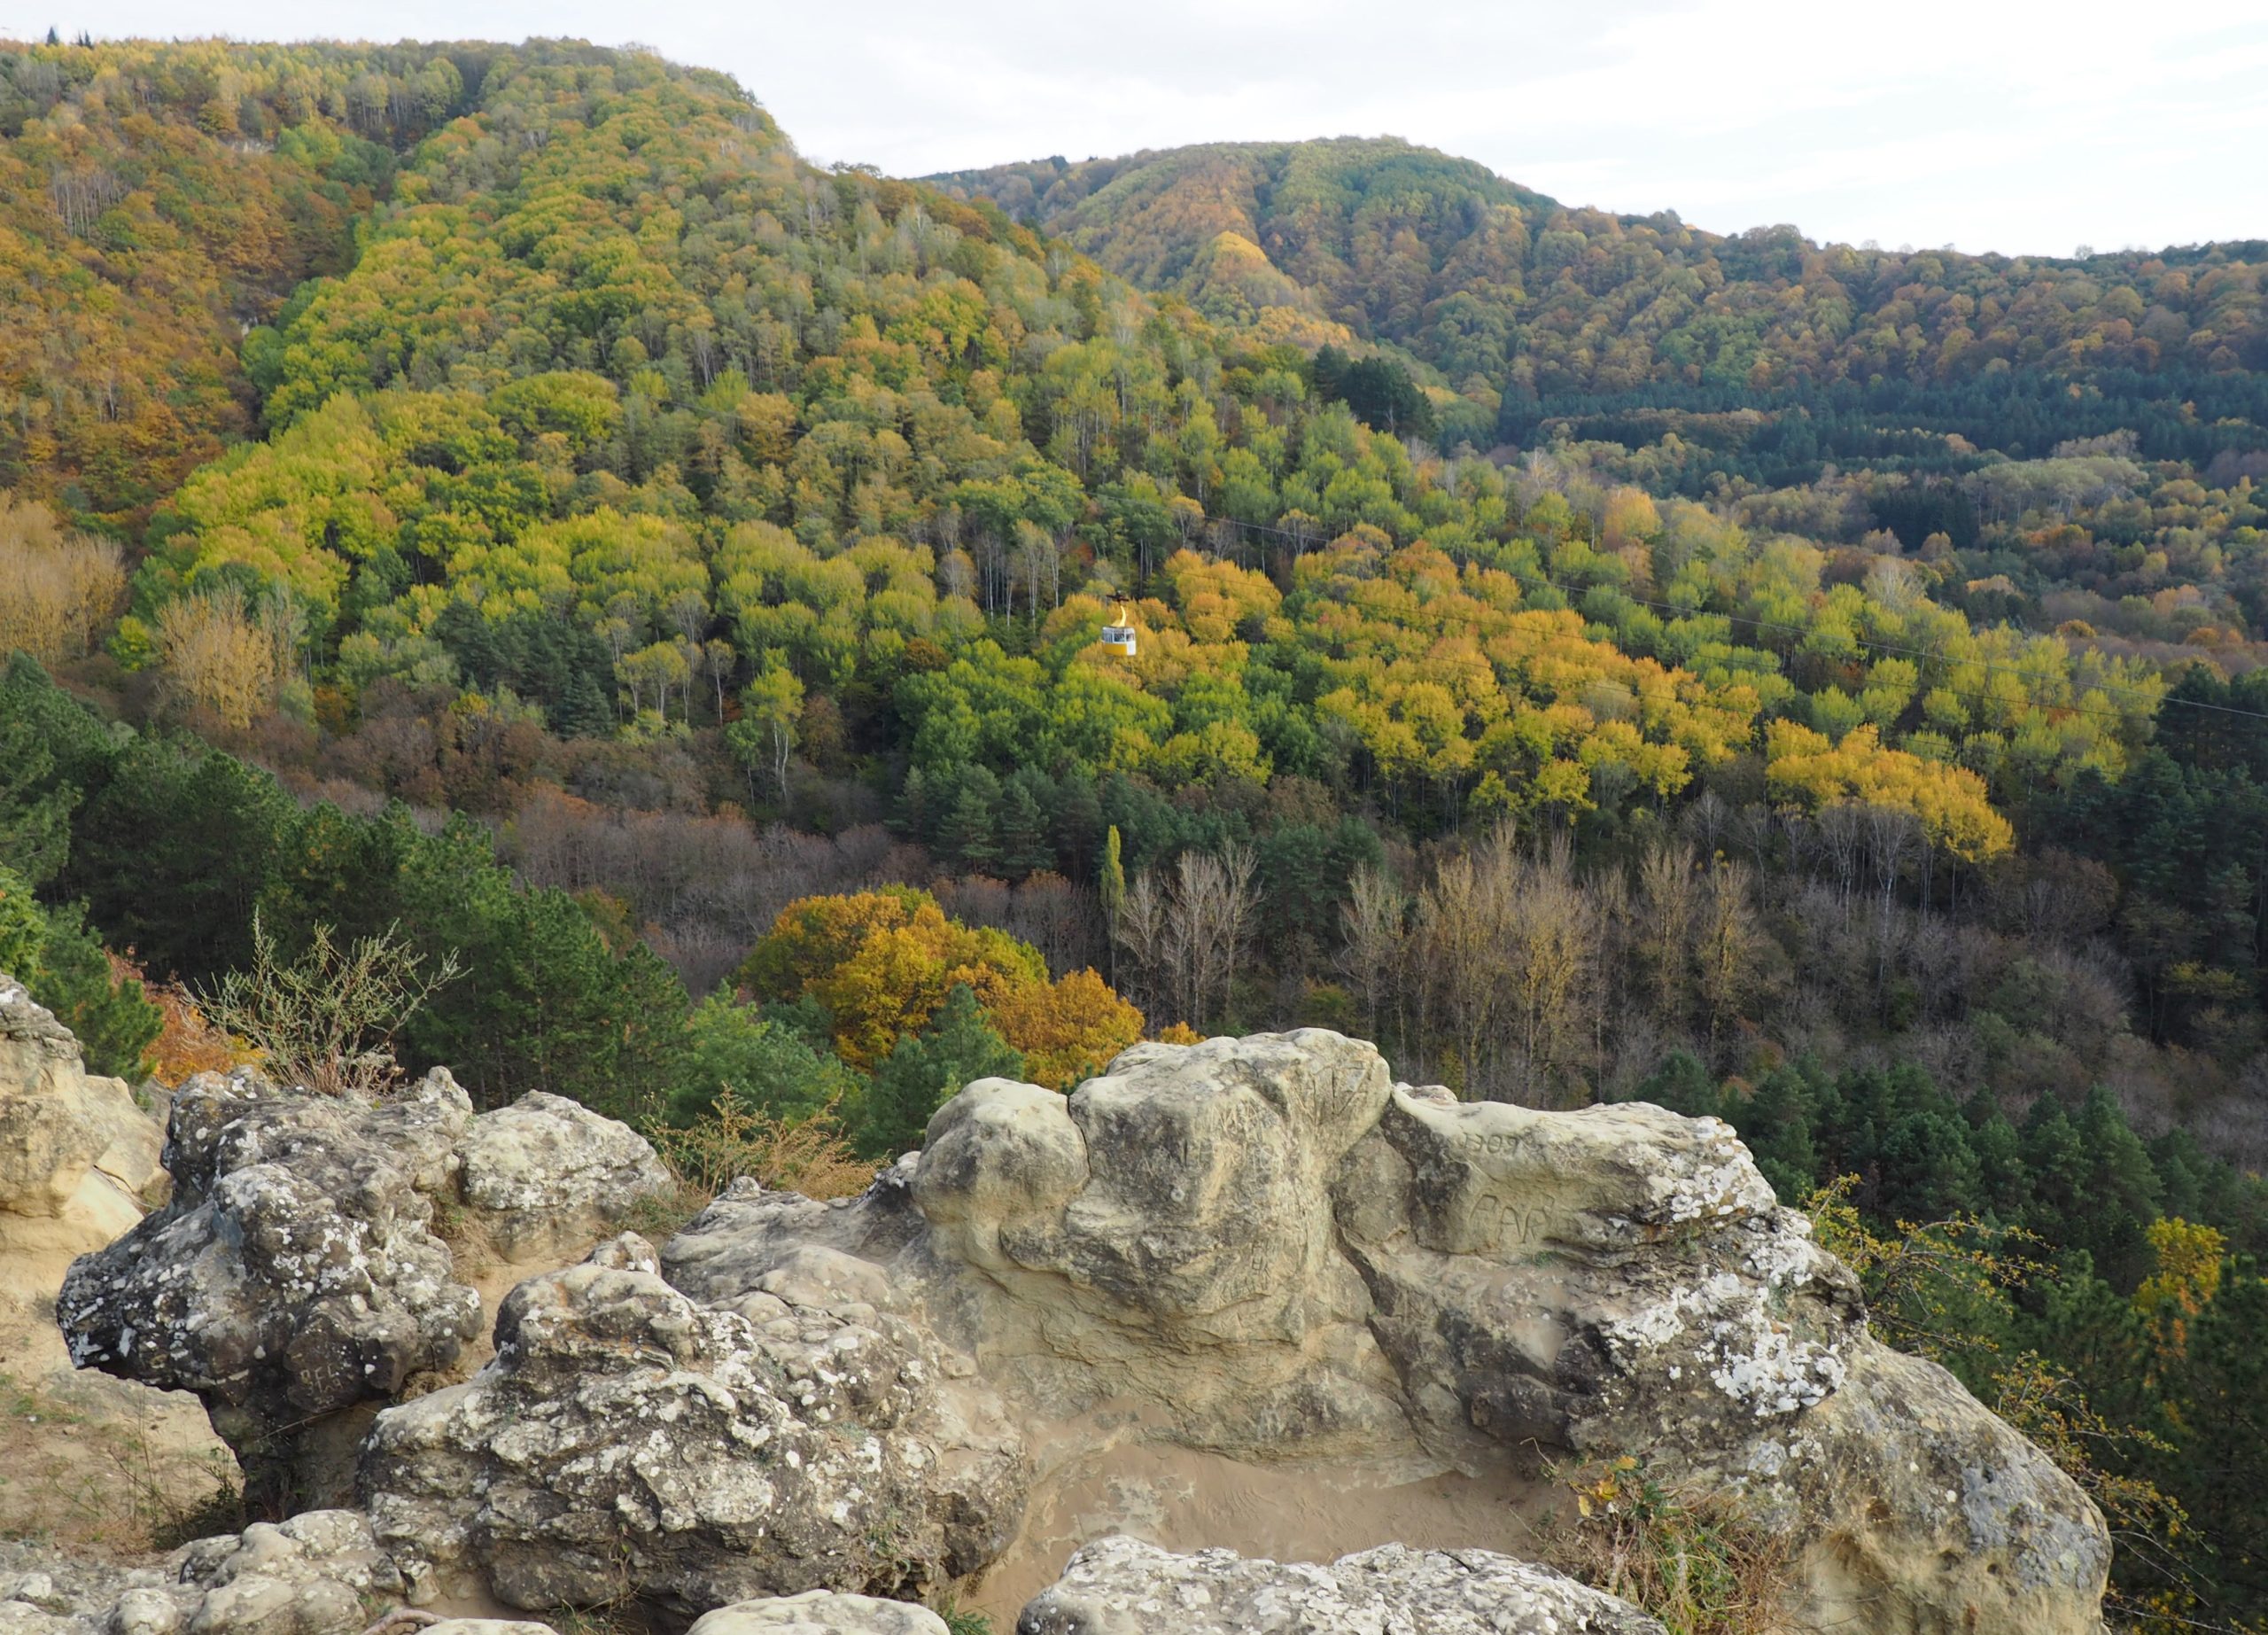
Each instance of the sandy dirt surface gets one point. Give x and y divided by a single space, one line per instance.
1185 1500
92 1463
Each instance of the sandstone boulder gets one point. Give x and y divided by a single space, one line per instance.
78 1159
821 1612
292 1276
627 1441
76 1153
1246 1292
320 1573
1121 1586
546 1173
295 1276
1260 1250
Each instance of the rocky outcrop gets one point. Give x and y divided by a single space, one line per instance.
1121 1586
1263 1250
78 1160
76 1153
627 1441
1248 1293
296 1275
547 1174
1912 1499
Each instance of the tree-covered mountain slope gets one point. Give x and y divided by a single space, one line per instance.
155 202
1525 308
552 522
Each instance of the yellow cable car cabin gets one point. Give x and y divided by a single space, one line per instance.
1119 637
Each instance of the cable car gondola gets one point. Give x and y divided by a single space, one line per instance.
1120 636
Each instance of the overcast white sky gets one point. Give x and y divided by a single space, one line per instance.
2022 127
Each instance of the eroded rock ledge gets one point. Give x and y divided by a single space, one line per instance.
76 1153
1278 1257
627 1438
1257 1257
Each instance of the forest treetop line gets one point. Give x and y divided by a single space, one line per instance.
610 403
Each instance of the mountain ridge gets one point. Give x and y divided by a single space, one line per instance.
1498 294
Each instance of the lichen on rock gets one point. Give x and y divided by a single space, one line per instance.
320 1573
627 1441
821 1612
1258 1258
1265 1251
545 1171
1121 1586
295 1275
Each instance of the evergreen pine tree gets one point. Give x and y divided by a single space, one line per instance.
582 711
1078 823
969 834
35 809
924 1070
1776 1122
1024 844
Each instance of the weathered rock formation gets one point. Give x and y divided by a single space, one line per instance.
1121 1586
1261 1249
628 1441
821 1612
317 1574
321 1574
1245 1293
547 1174
295 1275
78 1159
76 1153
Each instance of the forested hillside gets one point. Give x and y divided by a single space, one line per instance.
503 500
155 201
1521 303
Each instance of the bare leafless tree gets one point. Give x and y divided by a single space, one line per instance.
1553 961
1727 948
1372 927
1183 928
1141 935
1465 924
1210 903
1669 897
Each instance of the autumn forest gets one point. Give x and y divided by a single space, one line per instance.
501 504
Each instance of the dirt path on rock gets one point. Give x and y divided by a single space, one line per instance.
1123 1483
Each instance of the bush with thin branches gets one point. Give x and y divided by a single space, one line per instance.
326 1019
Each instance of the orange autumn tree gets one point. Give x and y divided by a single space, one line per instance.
880 963
1068 1030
